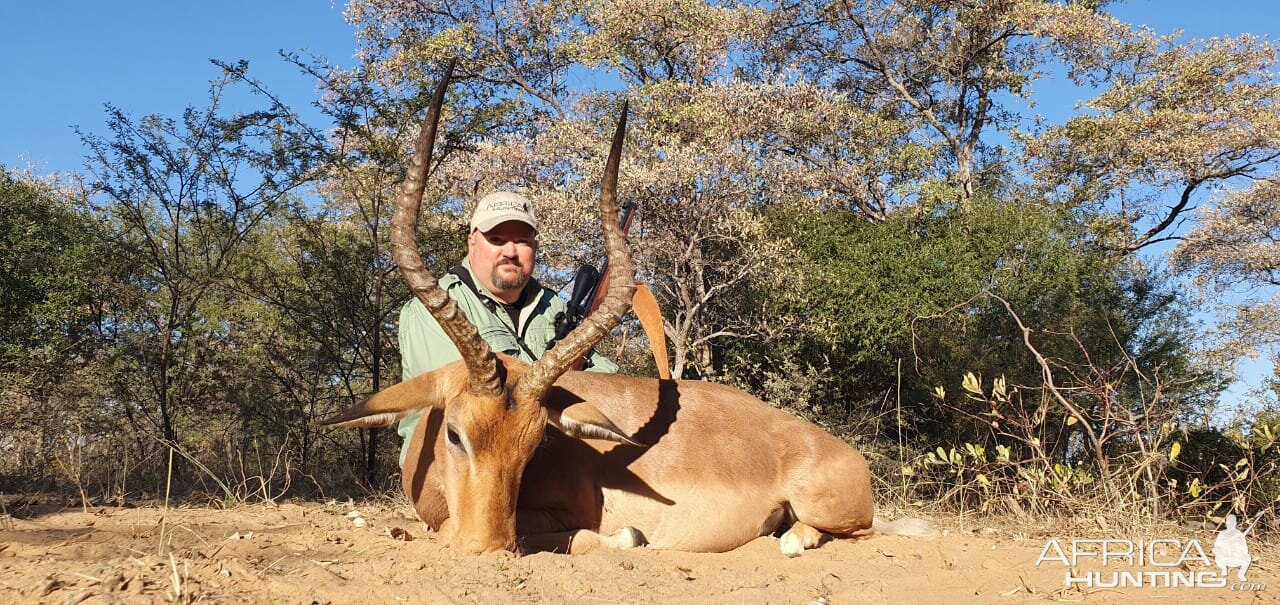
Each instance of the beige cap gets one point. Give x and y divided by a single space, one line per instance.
502 206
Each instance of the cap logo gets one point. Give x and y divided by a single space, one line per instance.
502 205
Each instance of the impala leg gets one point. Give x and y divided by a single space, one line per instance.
798 539
835 497
446 531
581 541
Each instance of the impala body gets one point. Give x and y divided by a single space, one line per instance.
716 468
677 464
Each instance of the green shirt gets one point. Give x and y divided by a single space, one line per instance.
425 347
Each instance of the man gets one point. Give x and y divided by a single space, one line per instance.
510 309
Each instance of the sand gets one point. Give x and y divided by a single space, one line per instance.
317 553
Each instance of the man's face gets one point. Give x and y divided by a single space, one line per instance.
503 258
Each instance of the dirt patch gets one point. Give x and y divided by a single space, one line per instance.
317 553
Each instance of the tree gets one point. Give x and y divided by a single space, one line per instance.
1236 246
514 55
944 67
1173 121
48 256
52 289
702 158
182 196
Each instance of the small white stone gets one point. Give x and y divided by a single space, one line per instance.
359 522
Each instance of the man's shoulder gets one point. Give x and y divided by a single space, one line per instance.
453 286
456 288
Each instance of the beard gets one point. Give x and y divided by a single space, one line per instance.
508 281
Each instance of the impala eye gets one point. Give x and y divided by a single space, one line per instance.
452 436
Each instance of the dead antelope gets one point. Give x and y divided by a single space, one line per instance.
680 464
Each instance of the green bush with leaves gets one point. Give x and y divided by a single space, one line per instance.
53 281
885 311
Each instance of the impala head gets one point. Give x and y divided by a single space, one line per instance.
489 440
494 406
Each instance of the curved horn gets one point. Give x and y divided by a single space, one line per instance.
482 365
534 384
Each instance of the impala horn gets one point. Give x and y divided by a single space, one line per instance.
535 383
482 364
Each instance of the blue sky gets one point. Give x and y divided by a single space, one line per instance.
63 60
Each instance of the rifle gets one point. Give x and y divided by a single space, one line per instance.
576 310
589 286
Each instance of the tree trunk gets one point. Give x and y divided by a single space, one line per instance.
371 447
166 411
964 175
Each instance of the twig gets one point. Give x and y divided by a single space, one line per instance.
6 521
176 596
1047 372
164 516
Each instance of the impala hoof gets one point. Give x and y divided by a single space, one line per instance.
627 537
798 539
791 544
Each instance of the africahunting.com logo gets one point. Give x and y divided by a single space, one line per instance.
1155 563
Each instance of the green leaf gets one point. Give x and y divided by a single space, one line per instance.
977 451
998 388
1002 453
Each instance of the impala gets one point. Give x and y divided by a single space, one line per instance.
680 464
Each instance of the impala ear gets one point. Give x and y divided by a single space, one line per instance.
386 407
352 418
585 421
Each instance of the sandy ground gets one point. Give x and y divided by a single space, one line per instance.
316 553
